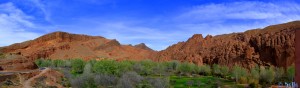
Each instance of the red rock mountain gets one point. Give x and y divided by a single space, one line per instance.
273 45
143 46
62 45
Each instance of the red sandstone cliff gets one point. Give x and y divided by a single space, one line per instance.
62 45
273 45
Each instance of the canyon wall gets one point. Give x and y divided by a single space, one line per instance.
273 45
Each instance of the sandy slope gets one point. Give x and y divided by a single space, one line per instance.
27 83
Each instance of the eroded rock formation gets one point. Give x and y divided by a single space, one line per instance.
273 45
62 45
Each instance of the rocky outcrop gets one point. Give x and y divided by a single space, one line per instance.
143 46
17 63
62 45
273 45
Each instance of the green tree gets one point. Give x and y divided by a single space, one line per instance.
87 69
216 70
109 67
147 67
224 71
125 66
267 75
239 72
291 72
58 63
77 66
254 76
204 69
186 68
279 72
174 65
43 63
270 75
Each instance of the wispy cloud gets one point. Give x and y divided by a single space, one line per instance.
41 6
158 31
245 10
14 25
219 18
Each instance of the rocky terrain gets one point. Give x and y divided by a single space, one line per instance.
273 45
62 45
32 79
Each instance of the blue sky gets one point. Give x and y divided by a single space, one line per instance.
158 23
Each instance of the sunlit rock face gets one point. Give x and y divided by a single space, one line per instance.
273 45
63 45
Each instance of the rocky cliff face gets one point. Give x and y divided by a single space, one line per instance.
62 45
273 45
143 46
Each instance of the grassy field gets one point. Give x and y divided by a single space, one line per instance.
201 82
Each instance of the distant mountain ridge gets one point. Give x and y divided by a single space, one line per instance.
63 45
273 45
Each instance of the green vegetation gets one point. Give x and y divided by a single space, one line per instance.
77 66
2 56
186 68
199 82
204 70
239 74
148 74
291 73
107 67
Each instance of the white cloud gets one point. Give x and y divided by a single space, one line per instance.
243 10
236 16
41 6
14 25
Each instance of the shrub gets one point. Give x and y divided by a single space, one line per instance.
157 82
216 69
106 67
92 62
254 73
125 66
173 65
224 71
129 80
254 77
58 63
147 67
270 74
77 66
279 72
83 81
238 72
186 67
243 80
38 62
291 72
106 81
43 63
137 67
68 63
160 69
267 75
204 69
87 69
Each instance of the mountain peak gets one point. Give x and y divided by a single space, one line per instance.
143 46
65 36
